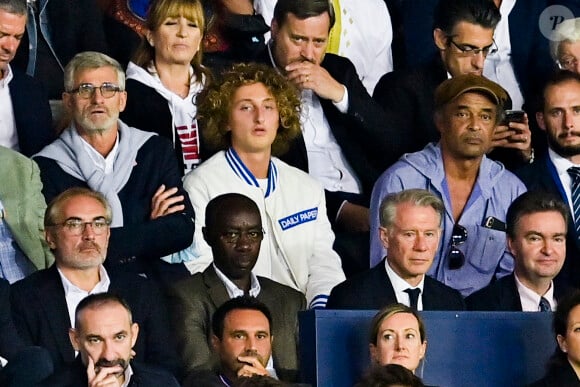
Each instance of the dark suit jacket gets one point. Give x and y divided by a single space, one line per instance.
75 375
501 295
193 301
372 289
542 176
562 375
31 113
41 316
369 137
140 239
10 341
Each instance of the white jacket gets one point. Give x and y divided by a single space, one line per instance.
293 211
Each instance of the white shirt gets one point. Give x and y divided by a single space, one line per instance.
498 67
400 285
74 295
530 300
128 374
105 164
8 134
562 164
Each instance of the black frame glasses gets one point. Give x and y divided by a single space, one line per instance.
455 257
87 90
466 50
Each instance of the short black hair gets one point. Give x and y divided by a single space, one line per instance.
389 375
217 206
556 78
560 324
243 303
98 299
303 9
449 13
532 202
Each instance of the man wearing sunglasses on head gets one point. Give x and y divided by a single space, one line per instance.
410 230
475 190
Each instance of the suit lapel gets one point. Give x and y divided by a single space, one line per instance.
53 304
215 288
384 294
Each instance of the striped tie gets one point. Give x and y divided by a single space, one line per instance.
574 172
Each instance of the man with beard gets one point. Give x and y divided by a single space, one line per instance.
43 304
136 171
233 229
104 336
554 172
475 190
241 339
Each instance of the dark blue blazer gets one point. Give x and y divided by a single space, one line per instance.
502 296
75 375
41 316
542 176
10 341
141 241
372 289
31 113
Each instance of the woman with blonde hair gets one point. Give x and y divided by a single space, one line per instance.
166 75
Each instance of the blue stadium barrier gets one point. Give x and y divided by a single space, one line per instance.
472 349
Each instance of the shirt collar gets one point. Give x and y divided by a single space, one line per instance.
399 284
560 163
233 290
530 300
8 75
101 286
240 169
104 163
128 374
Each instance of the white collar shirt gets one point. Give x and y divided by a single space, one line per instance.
105 164
8 133
530 300
233 290
562 164
400 285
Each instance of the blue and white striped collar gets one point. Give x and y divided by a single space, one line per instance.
240 169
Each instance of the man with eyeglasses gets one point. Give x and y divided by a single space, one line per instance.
136 171
43 304
536 230
411 231
476 191
233 230
463 33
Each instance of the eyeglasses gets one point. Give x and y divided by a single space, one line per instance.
234 236
466 50
77 226
87 90
568 63
456 258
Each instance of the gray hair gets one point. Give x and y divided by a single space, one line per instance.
417 197
91 60
567 31
16 7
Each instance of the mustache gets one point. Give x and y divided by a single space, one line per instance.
570 133
102 363
90 244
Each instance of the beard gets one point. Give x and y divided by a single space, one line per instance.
83 120
563 150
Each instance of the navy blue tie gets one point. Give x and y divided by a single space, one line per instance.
574 173
545 305
413 296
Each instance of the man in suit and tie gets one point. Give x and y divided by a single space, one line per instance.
347 139
25 117
43 304
233 230
555 171
104 336
411 230
536 237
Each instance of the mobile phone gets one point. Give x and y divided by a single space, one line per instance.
513 116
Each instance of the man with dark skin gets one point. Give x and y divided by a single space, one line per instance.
234 232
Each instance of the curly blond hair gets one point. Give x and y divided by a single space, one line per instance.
215 104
